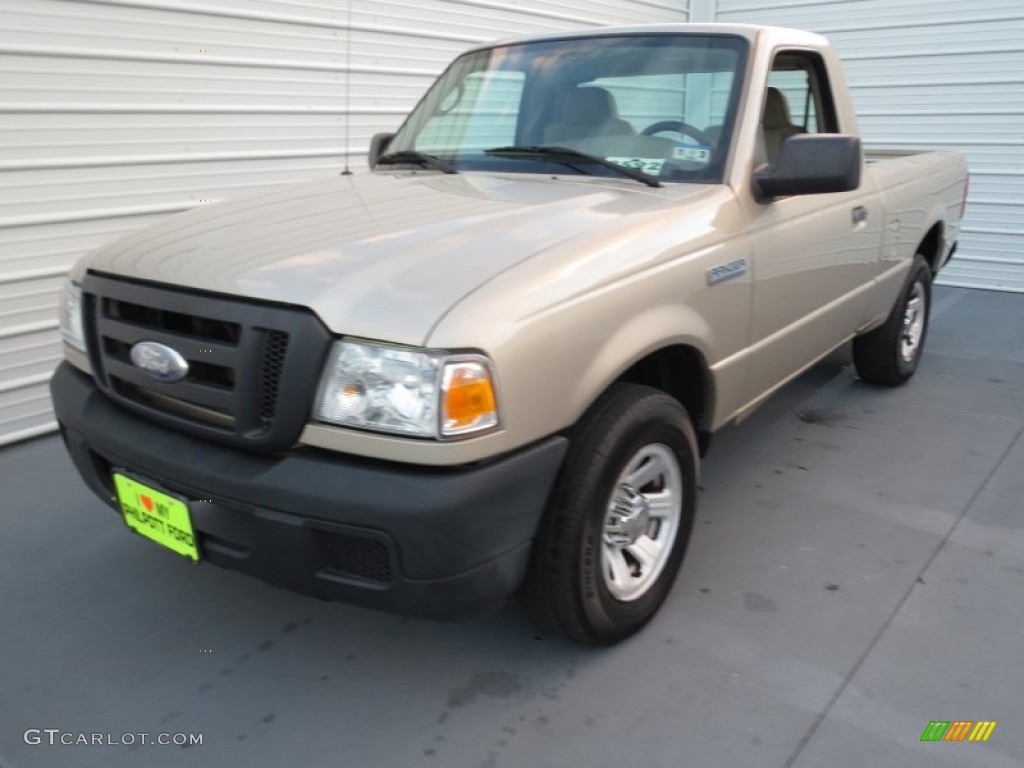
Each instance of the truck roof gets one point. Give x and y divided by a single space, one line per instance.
752 32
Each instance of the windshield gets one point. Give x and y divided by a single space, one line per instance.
661 104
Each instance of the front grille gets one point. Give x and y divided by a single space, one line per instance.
358 556
241 357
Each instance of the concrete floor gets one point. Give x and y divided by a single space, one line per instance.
856 572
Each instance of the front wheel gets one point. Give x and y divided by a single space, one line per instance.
889 354
618 521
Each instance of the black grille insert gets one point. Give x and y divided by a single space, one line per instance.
358 556
242 357
275 347
174 322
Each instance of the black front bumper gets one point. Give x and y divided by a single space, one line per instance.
424 541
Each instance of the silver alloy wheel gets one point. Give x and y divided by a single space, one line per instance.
913 323
641 522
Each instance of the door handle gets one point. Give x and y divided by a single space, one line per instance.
859 215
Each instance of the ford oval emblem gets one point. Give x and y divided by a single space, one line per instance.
159 361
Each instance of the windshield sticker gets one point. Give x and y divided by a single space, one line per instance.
649 165
692 153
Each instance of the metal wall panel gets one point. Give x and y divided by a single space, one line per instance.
114 113
935 74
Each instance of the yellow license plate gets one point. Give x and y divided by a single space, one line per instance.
157 516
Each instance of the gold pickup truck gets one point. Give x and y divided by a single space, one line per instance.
489 364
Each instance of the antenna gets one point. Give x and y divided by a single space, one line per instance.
348 89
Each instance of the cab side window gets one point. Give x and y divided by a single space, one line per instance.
798 100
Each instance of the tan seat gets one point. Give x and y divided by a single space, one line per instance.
587 112
776 124
714 134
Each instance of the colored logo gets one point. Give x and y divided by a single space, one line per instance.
159 361
959 730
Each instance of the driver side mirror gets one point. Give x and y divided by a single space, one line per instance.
812 164
379 146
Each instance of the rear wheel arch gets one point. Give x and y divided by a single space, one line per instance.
932 245
889 354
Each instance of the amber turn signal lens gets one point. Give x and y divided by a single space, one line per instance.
469 402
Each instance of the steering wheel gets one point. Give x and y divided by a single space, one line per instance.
679 127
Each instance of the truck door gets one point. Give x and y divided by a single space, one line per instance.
814 255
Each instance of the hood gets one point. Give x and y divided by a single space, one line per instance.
381 256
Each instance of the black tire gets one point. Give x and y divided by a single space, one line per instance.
881 356
566 590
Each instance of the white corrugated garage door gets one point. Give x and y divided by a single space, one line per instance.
116 112
936 73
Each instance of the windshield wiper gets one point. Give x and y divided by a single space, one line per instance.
422 159
562 154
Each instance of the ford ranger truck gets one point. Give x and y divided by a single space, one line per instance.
489 364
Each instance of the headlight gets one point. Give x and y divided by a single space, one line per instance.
71 315
406 391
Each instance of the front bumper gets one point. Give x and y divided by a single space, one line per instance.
424 541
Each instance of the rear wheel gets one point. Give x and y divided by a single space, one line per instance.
889 355
617 524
